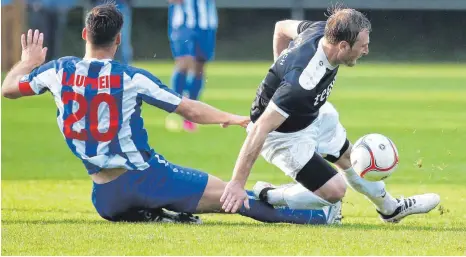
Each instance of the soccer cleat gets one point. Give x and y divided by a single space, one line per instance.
333 213
412 205
260 190
164 216
189 126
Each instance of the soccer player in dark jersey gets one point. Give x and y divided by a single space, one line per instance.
296 129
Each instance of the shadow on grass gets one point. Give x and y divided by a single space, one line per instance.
42 210
224 224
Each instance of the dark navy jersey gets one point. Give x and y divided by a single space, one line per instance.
299 82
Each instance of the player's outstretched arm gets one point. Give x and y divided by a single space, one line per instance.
203 113
33 55
234 195
285 31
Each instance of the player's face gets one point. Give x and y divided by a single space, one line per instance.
360 48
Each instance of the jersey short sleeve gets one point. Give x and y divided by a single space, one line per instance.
304 25
154 92
291 98
39 80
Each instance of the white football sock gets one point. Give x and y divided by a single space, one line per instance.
374 191
296 197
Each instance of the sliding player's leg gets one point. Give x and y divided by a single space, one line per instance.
259 210
139 195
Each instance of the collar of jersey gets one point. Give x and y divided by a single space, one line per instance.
98 60
323 56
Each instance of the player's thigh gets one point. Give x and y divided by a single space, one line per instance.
183 42
205 42
182 189
185 63
295 154
115 199
332 141
290 151
161 185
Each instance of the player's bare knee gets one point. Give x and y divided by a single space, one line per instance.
198 68
334 190
184 64
338 189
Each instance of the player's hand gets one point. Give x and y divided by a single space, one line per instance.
242 121
33 52
234 197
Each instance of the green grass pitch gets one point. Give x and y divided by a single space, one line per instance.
47 209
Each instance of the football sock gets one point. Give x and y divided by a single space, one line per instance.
179 81
194 85
266 213
295 197
374 191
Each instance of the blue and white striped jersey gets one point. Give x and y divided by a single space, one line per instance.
99 108
193 14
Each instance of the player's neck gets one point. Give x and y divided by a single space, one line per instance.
331 52
100 54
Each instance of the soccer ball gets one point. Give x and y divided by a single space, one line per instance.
374 157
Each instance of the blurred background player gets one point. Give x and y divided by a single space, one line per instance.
99 114
192 28
50 17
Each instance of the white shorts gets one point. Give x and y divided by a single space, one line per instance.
291 151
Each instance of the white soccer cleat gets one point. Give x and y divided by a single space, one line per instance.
260 190
412 205
261 187
333 213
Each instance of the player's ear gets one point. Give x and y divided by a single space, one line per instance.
84 34
343 46
118 39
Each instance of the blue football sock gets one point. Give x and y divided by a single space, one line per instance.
179 81
194 85
266 213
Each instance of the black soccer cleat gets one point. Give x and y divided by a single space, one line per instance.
164 216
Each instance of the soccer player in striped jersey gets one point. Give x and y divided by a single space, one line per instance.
192 28
99 104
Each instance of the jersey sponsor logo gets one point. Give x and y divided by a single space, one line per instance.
322 97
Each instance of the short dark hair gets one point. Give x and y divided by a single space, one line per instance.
344 24
103 23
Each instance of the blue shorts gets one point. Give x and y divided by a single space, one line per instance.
162 185
199 44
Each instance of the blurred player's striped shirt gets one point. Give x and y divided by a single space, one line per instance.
99 108
193 14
